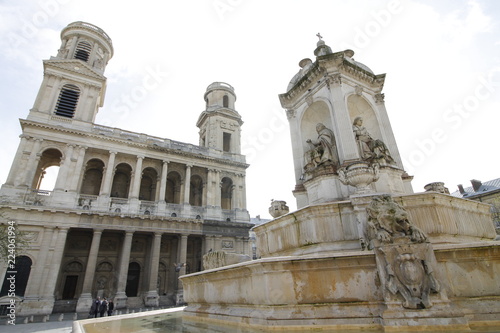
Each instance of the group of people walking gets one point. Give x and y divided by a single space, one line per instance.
100 307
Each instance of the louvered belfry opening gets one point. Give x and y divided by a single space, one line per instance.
68 98
83 51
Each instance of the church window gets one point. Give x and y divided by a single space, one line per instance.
196 191
226 142
225 101
82 51
92 179
226 193
66 103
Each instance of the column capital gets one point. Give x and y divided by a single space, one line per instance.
165 161
140 157
112 152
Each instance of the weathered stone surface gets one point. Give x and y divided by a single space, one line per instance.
217 259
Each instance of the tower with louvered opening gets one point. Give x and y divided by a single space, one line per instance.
74 83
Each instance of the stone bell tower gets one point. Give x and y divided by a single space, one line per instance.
342 141
74 86
220 124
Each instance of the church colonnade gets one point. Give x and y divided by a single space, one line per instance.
88 172
82 263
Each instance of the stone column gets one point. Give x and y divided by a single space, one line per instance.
55 264
181 261
217 189
204 192
121 297
210 188
14 171
163 181
136 185
85 299
108 175
217 242
78 169
386 131
243 193
210 243
32 163
152 297
64 167
246 248
346 143
187 184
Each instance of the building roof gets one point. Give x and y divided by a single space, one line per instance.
477 188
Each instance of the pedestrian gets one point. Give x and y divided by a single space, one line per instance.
104 307
111 307
94 309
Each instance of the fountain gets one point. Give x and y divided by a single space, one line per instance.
362 251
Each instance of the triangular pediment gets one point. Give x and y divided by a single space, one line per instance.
74 66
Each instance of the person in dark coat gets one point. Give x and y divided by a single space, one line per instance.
111 307
94 309
103 308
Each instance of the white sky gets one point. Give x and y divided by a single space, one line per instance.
442 62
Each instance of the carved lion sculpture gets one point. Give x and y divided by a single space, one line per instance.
387 219
215 259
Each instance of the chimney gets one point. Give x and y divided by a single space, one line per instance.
476 184
461 188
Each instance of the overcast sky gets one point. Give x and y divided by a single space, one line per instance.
442 61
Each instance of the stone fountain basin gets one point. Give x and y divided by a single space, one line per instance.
339 226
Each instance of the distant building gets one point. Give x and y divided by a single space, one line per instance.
487 192
129 212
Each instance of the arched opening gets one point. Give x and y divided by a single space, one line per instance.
48 170
226 190
133 275
22 266
148 184
173 190
67 101
359 107
92 178
225 101
82 51
195 191
121 181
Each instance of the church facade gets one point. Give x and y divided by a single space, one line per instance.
129 212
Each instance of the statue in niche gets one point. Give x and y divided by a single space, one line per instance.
323 150
404 255
370 148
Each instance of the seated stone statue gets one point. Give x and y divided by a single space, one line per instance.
369 148
323 149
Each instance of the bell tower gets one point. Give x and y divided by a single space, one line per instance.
220 124
342 140
74 84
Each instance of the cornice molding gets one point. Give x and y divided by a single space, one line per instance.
139 145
